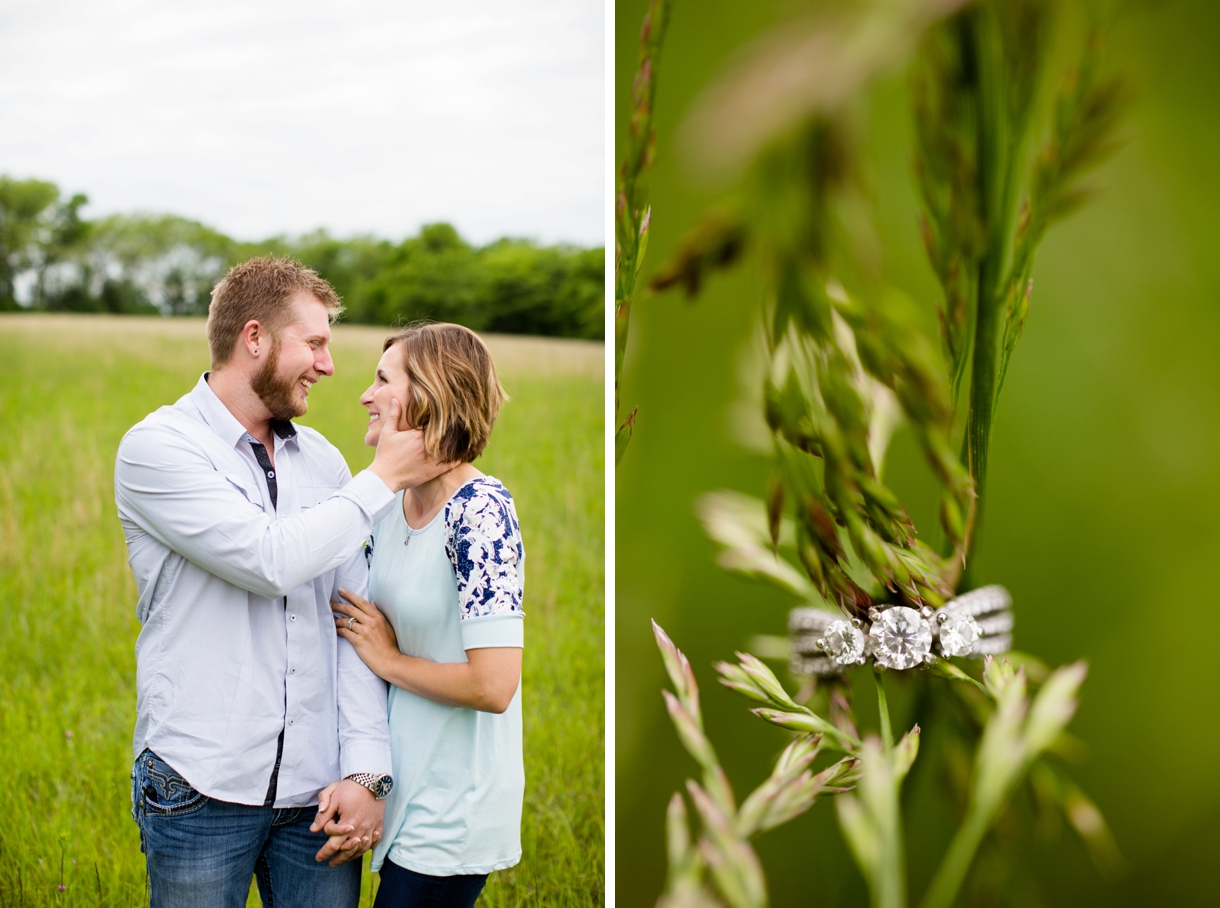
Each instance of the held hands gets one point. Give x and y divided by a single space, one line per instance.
352 817
361 623
401 461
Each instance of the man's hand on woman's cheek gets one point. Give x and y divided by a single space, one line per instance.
402 460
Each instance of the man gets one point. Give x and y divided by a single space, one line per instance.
241 528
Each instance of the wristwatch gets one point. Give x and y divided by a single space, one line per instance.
380 786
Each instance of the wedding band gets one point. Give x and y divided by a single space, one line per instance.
975 624
350 622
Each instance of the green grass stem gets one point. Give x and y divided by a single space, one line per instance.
947 883
887 731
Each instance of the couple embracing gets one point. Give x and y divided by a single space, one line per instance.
328 664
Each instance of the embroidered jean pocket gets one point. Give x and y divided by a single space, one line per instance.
162 791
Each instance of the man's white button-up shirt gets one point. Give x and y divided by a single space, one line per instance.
238 642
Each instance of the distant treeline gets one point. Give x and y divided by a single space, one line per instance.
53 259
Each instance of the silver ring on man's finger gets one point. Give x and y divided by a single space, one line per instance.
350 622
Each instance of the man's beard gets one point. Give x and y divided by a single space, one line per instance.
277 394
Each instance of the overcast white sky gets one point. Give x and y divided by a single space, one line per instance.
366 116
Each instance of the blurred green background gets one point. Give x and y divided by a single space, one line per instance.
1103 485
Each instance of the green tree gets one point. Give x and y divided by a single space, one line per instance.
583 294
529 289
165 263
349 264
433 275
24 206
64 234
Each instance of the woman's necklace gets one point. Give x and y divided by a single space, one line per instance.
431 501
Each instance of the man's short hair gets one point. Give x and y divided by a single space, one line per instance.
261 289
453 392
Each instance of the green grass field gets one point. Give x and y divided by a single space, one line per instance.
69 388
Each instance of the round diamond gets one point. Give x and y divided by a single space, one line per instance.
844 643
958 634
900 638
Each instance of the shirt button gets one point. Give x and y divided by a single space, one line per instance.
292 617
271 474
289 721
292 671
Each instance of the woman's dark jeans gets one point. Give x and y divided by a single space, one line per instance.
402 888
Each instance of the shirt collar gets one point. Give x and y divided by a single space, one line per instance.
284 428
224 423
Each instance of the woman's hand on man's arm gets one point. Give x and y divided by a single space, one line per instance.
363 625
487 681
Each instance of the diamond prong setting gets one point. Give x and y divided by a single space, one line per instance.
844 643
958 634
900 638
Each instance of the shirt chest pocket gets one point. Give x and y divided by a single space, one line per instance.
312 495
242 484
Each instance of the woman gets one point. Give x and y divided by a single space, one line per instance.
446 571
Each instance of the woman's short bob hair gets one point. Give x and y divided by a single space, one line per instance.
453 394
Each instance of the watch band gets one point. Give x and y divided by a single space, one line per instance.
379 785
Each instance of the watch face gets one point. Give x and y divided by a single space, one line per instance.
384 786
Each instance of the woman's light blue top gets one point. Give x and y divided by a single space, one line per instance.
451 586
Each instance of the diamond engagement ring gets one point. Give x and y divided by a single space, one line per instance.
977 623
350 622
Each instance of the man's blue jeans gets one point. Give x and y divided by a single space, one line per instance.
202 852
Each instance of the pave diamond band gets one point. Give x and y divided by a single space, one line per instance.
975 624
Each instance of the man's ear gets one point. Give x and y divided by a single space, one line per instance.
254 338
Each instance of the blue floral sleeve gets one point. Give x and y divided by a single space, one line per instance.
484 546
